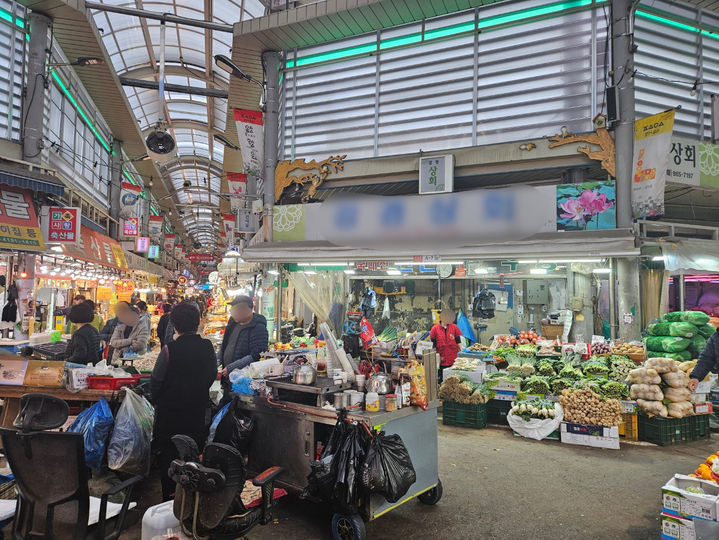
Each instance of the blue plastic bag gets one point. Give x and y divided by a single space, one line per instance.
216 422
465 327
95 424
242 386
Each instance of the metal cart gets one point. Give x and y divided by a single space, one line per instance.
286 434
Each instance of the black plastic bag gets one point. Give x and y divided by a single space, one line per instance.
388 469
348 463
321 480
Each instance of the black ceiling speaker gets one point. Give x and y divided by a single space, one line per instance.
197 245
160 141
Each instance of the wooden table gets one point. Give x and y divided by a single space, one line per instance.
12 395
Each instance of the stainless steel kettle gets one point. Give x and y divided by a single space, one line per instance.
304 374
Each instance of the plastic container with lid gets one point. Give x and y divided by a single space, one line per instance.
372 402
390 403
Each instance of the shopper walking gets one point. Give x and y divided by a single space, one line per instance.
84 345
245 336
445 336
180 384
162 323
130 334
708 361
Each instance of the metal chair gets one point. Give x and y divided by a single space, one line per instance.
49 467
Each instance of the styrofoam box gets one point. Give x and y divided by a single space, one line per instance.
475 376
506 387
611 443
595 431
676 498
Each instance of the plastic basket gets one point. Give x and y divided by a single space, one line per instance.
464 415
110 383
629 428
671 431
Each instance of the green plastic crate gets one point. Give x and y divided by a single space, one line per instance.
671 431
464 415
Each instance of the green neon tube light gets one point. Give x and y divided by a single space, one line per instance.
6 16
154 210
79 110
676 24
130 179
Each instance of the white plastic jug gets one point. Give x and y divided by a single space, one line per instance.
160 523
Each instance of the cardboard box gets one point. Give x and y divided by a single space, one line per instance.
677 500
703 408
44 373
629 407
611 443
475 376
677 528
594 431
506 387
505 396
12 372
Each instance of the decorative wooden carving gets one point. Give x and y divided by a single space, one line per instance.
600 138
321 170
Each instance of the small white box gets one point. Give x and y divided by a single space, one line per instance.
475 376
678 528
676 498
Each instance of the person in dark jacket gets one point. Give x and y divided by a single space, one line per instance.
180 385
163 323
245 336
708 361
84 345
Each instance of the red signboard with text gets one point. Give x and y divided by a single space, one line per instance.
63 225
200 257
130 226
19 228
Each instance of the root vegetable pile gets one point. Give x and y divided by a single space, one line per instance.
461 389
586 407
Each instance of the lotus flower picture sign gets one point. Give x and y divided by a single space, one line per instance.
586 206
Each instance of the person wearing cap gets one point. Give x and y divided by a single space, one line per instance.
245 336
130 334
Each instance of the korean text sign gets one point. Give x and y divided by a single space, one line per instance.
19 227
62 225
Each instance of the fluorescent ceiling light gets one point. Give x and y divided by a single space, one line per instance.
570 260
527 261
602 270
350 272
481 271
394 273
310 272
659 258
273 272
537 271
57 249
412 263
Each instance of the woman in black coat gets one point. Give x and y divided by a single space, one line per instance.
84 345
163 323
180 384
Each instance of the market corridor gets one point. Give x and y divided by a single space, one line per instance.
498 486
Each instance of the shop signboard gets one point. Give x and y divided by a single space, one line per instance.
436 174
153 251
130 226
247 221
129 198
652 147
169 243
155 227
19 228
586 206
228 224
249 133
61 225
693 163
142 244
373 266
97 248
240 185
200 257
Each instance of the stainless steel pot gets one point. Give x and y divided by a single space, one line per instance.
380 383
304 374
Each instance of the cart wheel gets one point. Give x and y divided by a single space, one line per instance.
348 527
433 495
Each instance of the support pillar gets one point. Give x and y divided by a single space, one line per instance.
628 298
278 303
623 78
34 102
146 213
115 189
583 290
271 137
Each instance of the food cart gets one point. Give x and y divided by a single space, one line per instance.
287 433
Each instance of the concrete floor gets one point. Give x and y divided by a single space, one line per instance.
500 486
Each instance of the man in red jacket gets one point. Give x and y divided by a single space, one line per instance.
445 336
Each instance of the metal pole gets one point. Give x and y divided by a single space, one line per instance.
612 280
115 189
623 78
179 88
681 291
34 102
146 213
167 17
272 120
